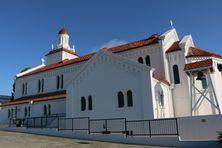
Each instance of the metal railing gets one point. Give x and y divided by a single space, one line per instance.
17 122
107 126
155 127
81 123
50 121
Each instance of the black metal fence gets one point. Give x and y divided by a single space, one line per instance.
50 121
155 127
81 123
106 126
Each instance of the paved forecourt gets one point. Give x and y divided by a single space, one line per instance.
22 140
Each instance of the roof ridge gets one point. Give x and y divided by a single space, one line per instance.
153 39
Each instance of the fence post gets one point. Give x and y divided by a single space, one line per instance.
9 123
46 121
72 124
177 127
150 128
34 122
106 124
27 124
41 122
88 125
58 124
126 128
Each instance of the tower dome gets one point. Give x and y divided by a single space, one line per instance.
63 31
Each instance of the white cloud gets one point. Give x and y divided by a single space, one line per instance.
111 43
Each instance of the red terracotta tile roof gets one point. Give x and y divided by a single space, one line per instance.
63 31
60 64
199 64
151 40
174 47
196 52
37 98
161 80
61 49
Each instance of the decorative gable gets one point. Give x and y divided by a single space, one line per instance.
110 59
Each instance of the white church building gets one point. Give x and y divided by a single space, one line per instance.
161 76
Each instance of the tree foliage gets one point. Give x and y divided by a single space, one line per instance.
219 138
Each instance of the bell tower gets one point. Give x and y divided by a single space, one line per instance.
63 50
63 39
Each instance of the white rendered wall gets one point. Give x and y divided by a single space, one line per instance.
66 55
57 107
103 81
199 127
155 53
50 83
169 38
180 92
165 111
54 58
59 56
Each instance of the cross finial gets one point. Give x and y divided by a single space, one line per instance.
73 48
171 24
43 61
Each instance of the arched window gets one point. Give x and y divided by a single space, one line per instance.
90 102
49 109
120 99
42 85
25 111
44 110
176 74
9 113
83 104
148 60
61 81
39 85
29 111
129 98
23 88
140 60
25 91
58 82
161 97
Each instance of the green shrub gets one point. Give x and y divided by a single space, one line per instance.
219 138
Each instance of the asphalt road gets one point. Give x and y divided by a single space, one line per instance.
21 140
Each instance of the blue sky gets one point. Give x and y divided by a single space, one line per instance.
29 27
